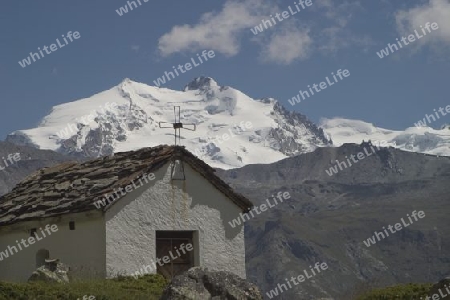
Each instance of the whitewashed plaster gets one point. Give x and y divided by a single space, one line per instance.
193 204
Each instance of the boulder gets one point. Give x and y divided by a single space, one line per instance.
200 284
51 271
441 288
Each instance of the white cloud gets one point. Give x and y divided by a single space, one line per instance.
223 31
216 31
433 11
287 46
288 41
135 48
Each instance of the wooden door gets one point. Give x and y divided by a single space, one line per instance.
168 244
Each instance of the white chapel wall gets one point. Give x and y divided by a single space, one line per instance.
159 205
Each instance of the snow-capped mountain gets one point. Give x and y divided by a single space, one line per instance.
413 139
233 129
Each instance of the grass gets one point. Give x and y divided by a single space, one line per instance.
413 291
148 287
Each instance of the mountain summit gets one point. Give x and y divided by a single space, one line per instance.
201 83
233 129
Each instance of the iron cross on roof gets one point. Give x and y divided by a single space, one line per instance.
177 125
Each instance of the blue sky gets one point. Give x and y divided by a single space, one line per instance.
393 92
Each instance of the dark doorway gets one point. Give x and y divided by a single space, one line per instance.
41 256
168 243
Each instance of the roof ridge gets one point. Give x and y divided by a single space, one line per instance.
75 186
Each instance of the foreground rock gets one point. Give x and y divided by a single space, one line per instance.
201 284
441 289
52 271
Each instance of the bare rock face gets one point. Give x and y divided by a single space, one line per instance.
200 284
53 271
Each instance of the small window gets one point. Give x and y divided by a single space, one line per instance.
72 225
33 232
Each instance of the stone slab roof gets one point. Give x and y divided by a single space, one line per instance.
73 187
